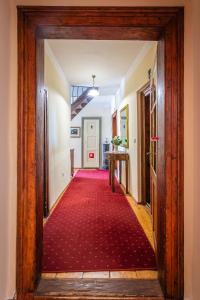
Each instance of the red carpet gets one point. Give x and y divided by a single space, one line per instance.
93 229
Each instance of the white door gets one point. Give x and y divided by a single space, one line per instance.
91 143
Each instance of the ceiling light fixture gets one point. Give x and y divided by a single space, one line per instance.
94 91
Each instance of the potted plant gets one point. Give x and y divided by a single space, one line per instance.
116 141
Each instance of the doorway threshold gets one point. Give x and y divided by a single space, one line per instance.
98 289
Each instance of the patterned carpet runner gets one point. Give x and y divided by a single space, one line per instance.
93 229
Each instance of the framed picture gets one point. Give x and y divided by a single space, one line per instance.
75 132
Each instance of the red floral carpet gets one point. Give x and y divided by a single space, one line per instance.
93 229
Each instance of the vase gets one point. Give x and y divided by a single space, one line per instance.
115 147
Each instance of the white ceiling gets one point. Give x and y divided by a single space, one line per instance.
108 60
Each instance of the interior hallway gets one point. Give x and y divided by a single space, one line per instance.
9 136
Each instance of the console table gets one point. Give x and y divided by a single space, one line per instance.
112 157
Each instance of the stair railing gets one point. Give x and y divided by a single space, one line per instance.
77 91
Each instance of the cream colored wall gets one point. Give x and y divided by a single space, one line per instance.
7 157
59 116
192 150
8 133
136 77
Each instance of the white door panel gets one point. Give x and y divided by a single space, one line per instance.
91 137
91 142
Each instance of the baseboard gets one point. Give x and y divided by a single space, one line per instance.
14 297
135 201
129 193
140 203
57 201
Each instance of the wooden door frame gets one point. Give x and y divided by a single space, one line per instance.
164 24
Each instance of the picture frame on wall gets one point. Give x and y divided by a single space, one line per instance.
75 132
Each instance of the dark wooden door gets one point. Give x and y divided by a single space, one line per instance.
153 157
114 132
144 143
46 157
147 148
114 124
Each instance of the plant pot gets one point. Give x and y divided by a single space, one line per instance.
115 147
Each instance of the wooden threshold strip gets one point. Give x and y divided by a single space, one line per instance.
98 289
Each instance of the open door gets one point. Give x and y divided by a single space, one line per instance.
114 124
153 157
144 108
46 157
114 129
146 136
147 147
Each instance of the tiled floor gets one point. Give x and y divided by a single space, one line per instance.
146 223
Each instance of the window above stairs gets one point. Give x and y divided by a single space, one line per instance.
79 98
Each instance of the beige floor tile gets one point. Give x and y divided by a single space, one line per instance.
70 275
123 274
147 274
96 274
48 275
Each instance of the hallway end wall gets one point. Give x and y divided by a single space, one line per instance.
100 106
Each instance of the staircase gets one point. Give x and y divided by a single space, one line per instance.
79 101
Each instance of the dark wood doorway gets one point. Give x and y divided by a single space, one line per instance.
147 149
143 104
164 24
146 119
114 131
46 157
153 158
114 124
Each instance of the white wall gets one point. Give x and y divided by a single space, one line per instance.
59 114
136 77
97 107
8 134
